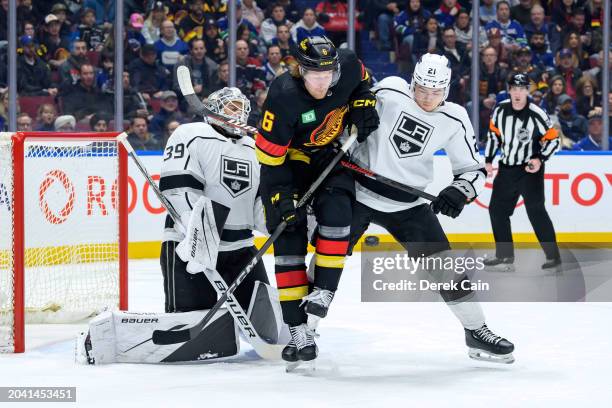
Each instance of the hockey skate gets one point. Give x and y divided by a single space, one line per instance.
301 351
487 346
499 264
317 305
552 263
82 350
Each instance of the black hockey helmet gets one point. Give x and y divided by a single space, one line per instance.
317 54
518 79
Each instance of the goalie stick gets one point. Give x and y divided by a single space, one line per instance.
262 348
184 79
180 336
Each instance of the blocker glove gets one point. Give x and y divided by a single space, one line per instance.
281 207
362 113
449 202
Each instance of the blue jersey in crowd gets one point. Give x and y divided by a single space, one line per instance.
512 31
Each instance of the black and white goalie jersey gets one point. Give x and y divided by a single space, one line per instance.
199 161
403 147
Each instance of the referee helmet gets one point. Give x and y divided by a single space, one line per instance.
518 79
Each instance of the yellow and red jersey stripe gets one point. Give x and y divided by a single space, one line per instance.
268 152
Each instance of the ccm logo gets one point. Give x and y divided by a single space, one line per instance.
360 103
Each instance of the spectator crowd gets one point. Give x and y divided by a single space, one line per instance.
66 56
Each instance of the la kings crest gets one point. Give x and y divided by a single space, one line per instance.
410 136
236 175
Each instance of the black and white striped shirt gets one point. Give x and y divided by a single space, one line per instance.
520 135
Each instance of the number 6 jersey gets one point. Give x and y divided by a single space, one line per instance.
199 161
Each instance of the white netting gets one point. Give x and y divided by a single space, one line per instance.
71 230
6 243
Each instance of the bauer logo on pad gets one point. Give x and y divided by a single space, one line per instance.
235 175
410 136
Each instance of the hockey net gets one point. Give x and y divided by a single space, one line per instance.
63 223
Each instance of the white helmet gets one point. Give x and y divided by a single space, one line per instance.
230 103
432 71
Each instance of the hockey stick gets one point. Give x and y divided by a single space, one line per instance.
184 79
180 336
382 179
262 348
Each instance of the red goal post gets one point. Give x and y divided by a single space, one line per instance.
64 255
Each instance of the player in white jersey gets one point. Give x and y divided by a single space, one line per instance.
211 178
415 122
204 160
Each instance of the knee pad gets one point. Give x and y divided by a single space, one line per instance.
459 293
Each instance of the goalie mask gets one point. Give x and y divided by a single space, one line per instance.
432 71
230 103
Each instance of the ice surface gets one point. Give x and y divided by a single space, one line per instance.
372 355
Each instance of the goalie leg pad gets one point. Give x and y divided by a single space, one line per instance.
231 263
125 337
266 315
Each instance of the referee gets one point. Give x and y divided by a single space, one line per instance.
524 134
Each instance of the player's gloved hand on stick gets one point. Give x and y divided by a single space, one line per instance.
281 207
362 113
321 159
449 202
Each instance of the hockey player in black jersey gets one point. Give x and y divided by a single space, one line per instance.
305 111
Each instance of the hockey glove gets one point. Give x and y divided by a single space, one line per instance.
363 114
449 202
321 159
281 207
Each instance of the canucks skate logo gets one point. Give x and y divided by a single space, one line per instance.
235 175
410 136
329 129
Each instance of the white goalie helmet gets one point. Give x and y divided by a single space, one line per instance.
432 71
229 102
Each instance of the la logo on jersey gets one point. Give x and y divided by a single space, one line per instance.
235 175
410 136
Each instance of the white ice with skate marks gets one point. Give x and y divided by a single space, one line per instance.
371 355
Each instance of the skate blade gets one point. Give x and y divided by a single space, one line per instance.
500 268
482 355
305 367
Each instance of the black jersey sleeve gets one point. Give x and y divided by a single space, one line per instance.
360 77
275 135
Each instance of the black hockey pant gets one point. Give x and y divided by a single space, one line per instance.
417 229
185 292
510 183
